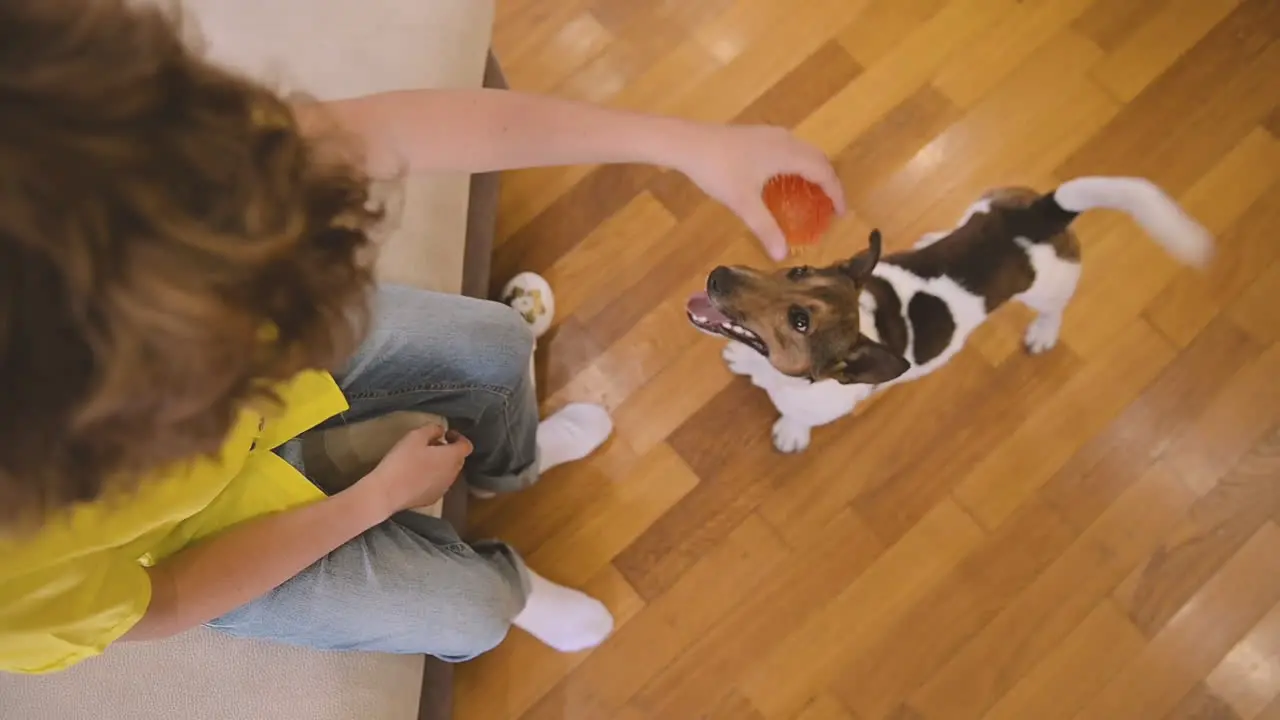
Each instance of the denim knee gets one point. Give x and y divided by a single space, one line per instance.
484 633
480 605
504 346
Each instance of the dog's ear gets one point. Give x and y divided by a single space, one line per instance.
870 363
860 266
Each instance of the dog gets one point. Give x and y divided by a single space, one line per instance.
821 340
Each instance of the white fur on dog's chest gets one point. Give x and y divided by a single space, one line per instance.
968 311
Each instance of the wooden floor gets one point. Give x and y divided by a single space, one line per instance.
1094 533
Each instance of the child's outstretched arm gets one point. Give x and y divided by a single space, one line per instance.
485 130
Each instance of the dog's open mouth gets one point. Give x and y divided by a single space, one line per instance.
705 316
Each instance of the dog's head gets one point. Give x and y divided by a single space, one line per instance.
806 321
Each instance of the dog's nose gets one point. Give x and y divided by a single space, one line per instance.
719 281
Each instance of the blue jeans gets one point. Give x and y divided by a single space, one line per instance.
411 585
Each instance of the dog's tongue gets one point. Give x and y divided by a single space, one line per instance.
700 307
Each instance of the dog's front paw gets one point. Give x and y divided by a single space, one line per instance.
1042 334
790 436
741 359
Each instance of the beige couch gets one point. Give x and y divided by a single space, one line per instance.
327 49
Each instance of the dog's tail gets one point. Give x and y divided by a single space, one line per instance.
1160 215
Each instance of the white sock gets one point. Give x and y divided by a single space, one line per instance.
562 617
572 434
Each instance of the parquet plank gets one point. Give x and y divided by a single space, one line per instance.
824 707
805 88
836 557
1197 637
908 651
779 680
633 359
628 713
526 25
1109 463
1271 712
1272 123
577 41
892 141
613 673
932 191
1216 526
731 707
616 247
526 194
1165 35
886 437
1256 310
677 193
1197 110
730 491
649 346
1201 704
976 69
634 364
795 32
1247 408
1074 670
558 495
1057 601
894 503
556 230
1192 300
585 544
1052 433
884 24
638 43
1245 679
908 66
1126 271
692 248
1109 24
652 413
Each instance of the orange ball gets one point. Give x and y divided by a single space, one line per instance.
801 208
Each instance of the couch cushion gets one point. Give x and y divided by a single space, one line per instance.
205 675
330 49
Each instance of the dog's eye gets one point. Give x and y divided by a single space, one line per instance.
796 273
799 319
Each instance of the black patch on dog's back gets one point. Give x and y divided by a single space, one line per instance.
890 326
933 325
1043 219
985 257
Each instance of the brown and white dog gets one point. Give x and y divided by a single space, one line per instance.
820 340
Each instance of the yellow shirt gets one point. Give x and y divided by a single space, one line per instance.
78 584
